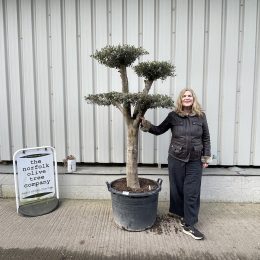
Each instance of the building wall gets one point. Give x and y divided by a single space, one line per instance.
46 70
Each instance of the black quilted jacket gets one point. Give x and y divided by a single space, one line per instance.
190 136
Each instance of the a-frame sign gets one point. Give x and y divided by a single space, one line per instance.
36 180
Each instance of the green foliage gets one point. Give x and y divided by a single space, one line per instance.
122 56
117 56
140 100
153 70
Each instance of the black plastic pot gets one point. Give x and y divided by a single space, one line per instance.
134 211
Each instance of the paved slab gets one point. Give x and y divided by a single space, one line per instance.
84 229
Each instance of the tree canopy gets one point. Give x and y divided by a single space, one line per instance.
122 56
139 100
153 70
118 56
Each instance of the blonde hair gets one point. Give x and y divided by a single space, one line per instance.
196 107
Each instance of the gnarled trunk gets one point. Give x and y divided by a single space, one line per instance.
132 157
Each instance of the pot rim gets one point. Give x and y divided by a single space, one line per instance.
135 194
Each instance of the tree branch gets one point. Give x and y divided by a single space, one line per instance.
137 119
120 108
124 112
147 87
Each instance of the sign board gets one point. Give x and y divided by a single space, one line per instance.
36 181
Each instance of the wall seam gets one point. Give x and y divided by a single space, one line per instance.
221 76
79 78
205 54
156 155
238 80
189 42
64 68
21 74
173 43
124 33
109 110
140 34
255 87
35 74
94 72
49 60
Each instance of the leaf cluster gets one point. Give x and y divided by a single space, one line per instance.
118 56
140 100
153 70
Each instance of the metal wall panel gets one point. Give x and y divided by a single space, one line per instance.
255 136
148 29
72 89
182 49
229 83
5 134
46 70
41 65
27 77
116 124
88 146
246 82
197 47
213 74
13 70
163 46
133 35
100 16
57 79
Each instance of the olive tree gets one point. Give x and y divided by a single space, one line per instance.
132 105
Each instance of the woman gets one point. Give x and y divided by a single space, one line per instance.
189 152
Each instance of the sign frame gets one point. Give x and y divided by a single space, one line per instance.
36 174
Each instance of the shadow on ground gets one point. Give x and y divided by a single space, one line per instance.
63 254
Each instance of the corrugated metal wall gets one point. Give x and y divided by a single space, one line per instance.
46 71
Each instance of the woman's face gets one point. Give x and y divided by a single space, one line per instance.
187 99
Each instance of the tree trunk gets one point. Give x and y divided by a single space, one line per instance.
125 89
124 78
148 84
132 158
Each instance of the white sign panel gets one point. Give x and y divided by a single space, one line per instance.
35 175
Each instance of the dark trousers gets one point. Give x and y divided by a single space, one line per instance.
185 183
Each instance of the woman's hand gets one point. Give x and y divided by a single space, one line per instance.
205 165
144 124
142 120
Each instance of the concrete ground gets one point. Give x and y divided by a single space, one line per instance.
84 229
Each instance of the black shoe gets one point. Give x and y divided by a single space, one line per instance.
193 232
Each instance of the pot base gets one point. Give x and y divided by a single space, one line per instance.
135 211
